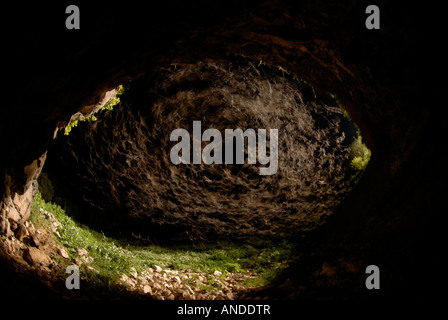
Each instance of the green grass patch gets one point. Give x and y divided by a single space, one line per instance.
112 257
359 159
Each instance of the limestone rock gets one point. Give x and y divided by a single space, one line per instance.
63 253
5 227
22 202
13 214
157 268
133 272
36 257
77 261
22 232
147 289
82 252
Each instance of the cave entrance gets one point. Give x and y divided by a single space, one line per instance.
135 212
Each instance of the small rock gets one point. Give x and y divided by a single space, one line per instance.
202 296
157 268
29 225
217 273
189 289
48 215
82 252
36 257
142 280
147 289
63 253
170 297
55 225
92 269
13 215
133 272
5 227
22 232
87 259
127 281
157 286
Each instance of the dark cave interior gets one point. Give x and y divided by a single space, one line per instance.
120 163
386 79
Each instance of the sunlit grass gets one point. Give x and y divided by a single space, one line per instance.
112 257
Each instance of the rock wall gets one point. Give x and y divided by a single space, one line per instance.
121 164
15 207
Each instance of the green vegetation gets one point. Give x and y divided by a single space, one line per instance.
359 153
92 117
111 257
359 159
69 127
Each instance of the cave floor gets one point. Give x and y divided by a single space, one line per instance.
36 252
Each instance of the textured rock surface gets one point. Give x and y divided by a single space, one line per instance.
15 207
389 80
121 164
36 257
159 284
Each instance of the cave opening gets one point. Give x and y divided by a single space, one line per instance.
384 78
111 173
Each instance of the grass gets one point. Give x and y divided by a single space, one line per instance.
359 159
112 257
